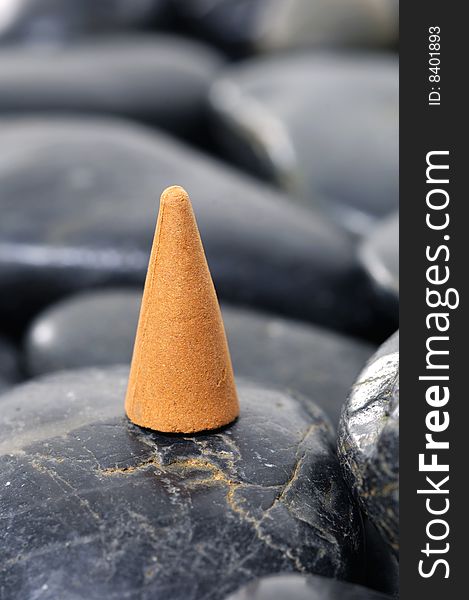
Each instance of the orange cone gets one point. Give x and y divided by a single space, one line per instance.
181 378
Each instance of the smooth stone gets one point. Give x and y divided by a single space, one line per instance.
302 587
243 26
79 203
293 355
9 364
96 507
53 21
368 442
379 254
162 79
98 328
323 127
89 329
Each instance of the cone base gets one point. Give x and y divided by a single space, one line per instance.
167 427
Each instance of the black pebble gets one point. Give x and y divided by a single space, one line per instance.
79 203
162 79
98 328
369 440
95 507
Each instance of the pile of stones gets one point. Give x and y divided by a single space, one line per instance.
280 119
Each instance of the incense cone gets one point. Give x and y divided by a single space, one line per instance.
181 378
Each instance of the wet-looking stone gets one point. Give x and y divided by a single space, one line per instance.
96 507
369 440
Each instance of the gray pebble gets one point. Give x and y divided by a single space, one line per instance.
244 26
163 79
322 126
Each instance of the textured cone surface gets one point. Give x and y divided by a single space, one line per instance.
181 378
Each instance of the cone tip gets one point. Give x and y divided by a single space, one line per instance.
175 194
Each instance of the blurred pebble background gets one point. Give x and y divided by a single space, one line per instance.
280 117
